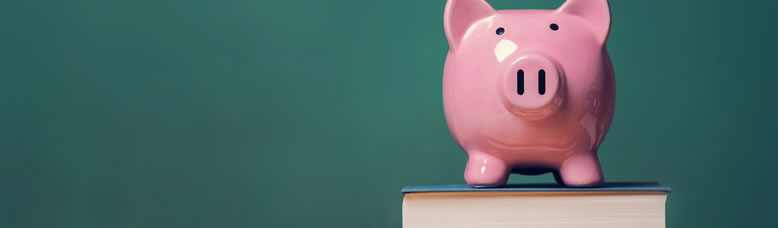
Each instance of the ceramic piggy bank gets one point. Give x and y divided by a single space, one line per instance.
529 91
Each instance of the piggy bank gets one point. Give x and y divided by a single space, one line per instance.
529 91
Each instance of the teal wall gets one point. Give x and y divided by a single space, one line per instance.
310 113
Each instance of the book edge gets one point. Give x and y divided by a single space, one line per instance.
637 187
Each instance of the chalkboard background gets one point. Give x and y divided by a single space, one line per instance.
311 113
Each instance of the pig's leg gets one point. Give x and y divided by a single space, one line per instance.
581 170
484 170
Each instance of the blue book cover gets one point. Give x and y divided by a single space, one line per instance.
607 187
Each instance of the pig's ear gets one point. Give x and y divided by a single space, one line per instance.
596 13
460 16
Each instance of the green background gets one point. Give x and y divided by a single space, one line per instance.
310 113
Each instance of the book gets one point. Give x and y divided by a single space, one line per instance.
535 205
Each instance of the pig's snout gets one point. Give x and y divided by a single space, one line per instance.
532 87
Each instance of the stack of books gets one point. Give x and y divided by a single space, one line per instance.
535 205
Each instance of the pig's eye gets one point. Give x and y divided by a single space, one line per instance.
500 31
554 27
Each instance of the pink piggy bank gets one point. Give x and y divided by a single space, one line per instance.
529 91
